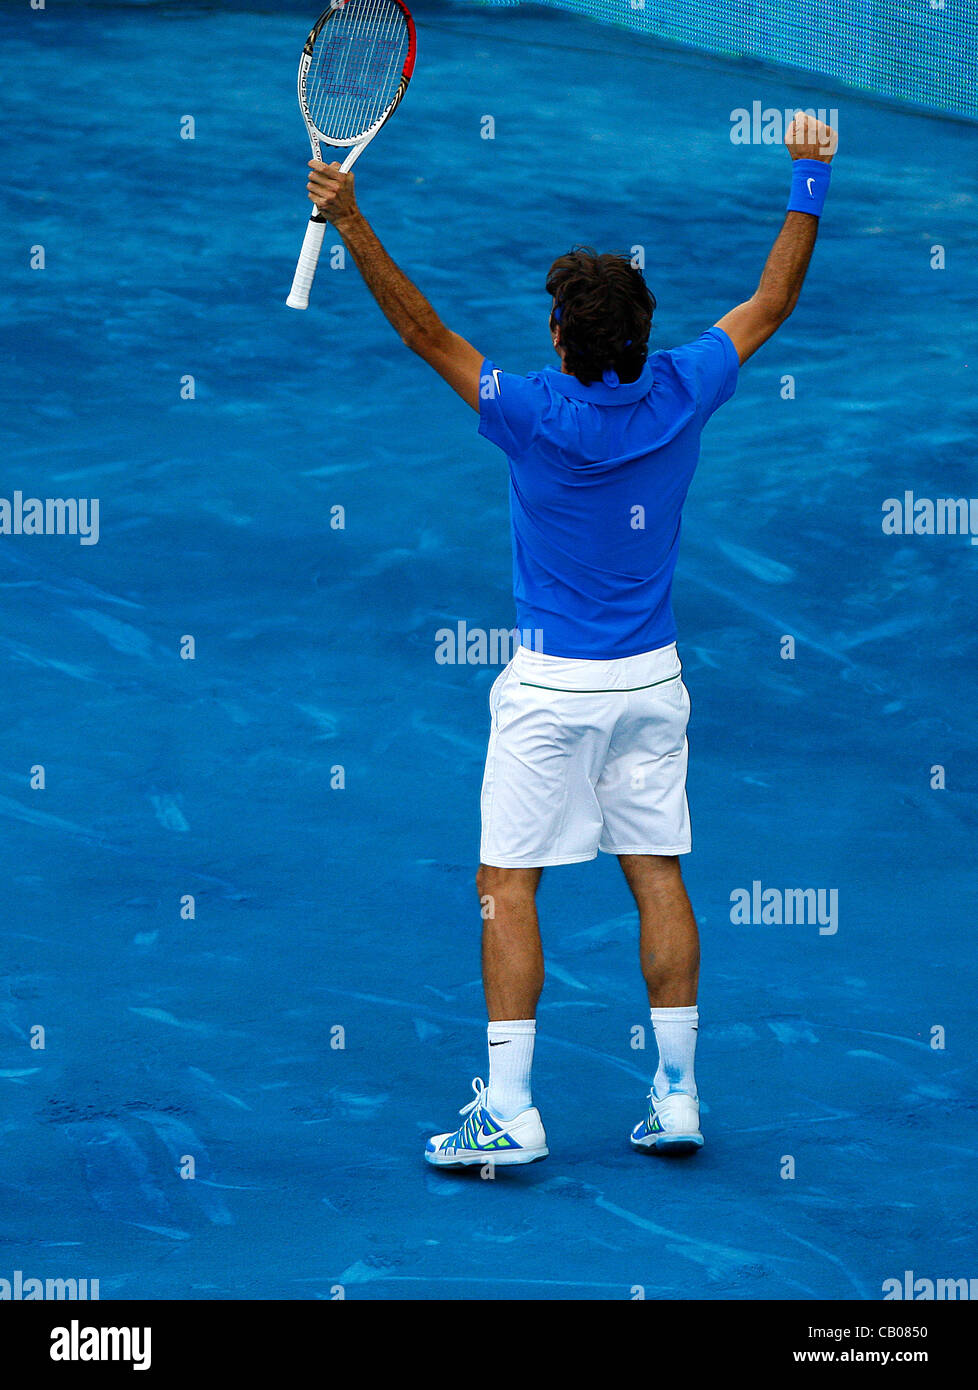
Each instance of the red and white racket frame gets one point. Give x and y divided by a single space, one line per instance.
305 271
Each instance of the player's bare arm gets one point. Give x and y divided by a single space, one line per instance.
753 322
402 303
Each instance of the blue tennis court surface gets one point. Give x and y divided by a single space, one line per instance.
311 777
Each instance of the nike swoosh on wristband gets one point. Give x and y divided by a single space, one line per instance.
810 193
501 1043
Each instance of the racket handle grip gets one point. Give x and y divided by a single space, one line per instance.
305 271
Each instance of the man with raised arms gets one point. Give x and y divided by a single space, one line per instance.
587 747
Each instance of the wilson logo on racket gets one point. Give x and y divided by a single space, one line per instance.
355 68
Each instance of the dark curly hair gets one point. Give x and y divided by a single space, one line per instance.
604 309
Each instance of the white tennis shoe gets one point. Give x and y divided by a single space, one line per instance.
485 1139
672 1125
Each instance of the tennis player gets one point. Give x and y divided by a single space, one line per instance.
587 749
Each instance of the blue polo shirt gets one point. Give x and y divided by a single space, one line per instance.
598 478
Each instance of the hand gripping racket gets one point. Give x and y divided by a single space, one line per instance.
354 70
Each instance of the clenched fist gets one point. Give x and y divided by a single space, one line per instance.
808 138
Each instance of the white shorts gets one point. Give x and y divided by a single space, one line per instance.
585 755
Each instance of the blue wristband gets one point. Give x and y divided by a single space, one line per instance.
809 185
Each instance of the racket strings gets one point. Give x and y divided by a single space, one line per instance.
356 67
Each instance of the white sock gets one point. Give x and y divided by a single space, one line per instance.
510 1060
675 1034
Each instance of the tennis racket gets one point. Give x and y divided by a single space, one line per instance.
354 70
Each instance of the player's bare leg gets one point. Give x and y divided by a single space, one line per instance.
669 944
512 954
503 1125
670 955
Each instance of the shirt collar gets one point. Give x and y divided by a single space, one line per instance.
625 393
